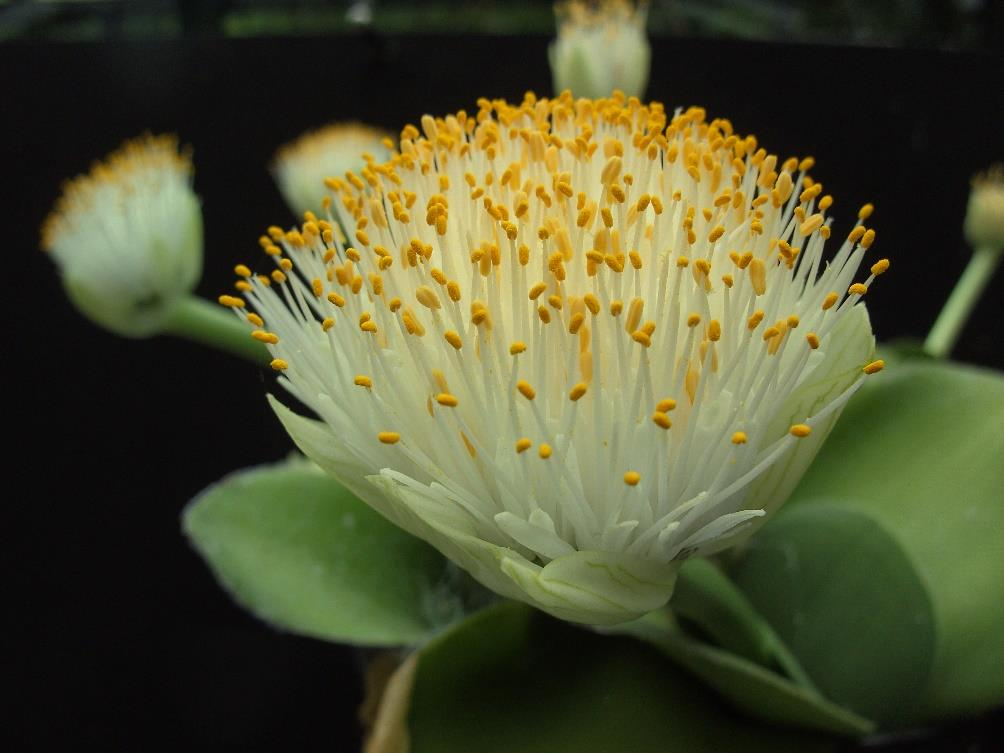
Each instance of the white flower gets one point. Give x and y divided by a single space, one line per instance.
571 345
301 166
601 46
984 223
127 237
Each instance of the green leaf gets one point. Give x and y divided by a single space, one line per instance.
847 602
512 679
747 686
920 453
298 550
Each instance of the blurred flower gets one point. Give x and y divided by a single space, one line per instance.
127 237
301 166
571 345
601 46
984 223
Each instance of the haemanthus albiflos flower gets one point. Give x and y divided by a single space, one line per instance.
601 46
127 237
571 344
301 166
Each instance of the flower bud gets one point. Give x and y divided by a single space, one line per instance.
984 223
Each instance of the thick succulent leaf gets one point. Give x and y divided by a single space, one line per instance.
300 551
748 687
920 452
848 603
512 679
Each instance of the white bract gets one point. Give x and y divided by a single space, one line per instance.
600 47
301 166
571 344
127 237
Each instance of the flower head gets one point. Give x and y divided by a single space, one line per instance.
571 343
984 223
127 237
301 166
601 46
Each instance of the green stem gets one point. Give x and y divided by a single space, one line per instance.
960 303
210 324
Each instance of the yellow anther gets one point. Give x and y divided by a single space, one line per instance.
285 264
517 347
800 430
278 276
727 280
525 389
868 238
269 338
810 193
642 338
577 391
754 321
317 287
806 164
544 450
389 437
856 233
813 339
523 444
682 262
693 320
866 211
830 300
427 297
544 314
327 323
857 289
575 323
453 290
660 419
453 338
739 437
874 367
447 400
279 364
242 270
826 202
555 302
793 321
616 307
882 265
758 276
714 330
438 276
256 320
232 301
592 303
362 380
336 299
368 326
362 237
715 234
811 225
770 333
631 478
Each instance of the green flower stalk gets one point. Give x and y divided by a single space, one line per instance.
127 237
601 47
572 342
301 166
984 231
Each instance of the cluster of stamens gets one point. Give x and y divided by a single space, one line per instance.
631 295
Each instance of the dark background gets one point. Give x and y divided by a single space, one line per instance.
121 639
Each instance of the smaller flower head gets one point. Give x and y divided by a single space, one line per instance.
127 237
301 166
601 46
984 224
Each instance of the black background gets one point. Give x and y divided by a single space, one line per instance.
121 639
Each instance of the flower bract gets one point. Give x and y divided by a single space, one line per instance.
570 343
127 237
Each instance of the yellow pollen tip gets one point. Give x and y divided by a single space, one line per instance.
517 347
363 381
831 298
256 320
232 301
279 364
525 389
660 419
882 265
874 367
631 478
868 238
800 430
544 451
813 339
242 270
665 406
523 444
268 338
453 338
866 211
446 399
857 289
577 391
739 437
389 437
693 320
